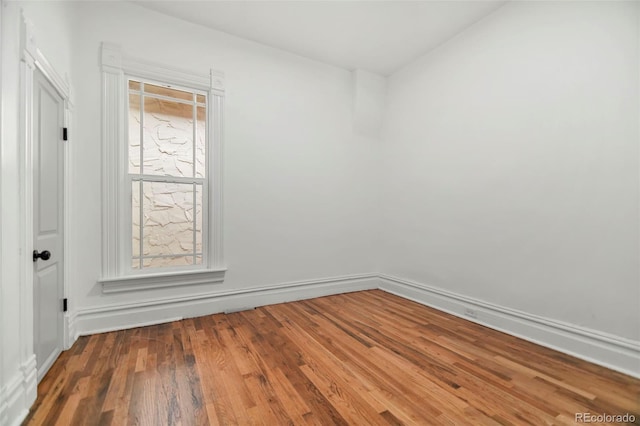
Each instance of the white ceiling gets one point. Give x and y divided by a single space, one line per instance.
377 36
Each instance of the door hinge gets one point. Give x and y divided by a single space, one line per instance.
64 305
64 134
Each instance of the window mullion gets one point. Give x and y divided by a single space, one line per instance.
141 217
195 222
141 184
169 179
164 256
195 135
165 98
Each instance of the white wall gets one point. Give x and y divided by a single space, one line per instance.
297 182
10 194
512 153
369 91
3 398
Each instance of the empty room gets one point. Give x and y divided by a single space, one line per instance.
319 212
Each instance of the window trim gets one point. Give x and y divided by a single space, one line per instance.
116 277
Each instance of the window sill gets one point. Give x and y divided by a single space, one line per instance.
161 280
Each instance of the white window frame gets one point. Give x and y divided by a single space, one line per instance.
133 177
117 274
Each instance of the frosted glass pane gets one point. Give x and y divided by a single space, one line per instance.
168 219
201 142
167 91
168 138
134 133
158 262
199 202
135 223
198 260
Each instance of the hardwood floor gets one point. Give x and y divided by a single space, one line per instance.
362 358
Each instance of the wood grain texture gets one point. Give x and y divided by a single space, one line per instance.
359 358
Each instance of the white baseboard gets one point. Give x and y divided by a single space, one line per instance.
19 394
155 311
70 335
600 348
607 350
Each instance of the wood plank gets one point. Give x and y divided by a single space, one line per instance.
358 358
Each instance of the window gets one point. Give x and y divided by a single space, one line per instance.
167 162
162 131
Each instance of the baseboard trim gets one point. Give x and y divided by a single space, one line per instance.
600 348
610 351
154 311
70 334
19 394
14 393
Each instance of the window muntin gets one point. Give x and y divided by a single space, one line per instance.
167 148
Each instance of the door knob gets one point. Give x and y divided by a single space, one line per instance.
45 255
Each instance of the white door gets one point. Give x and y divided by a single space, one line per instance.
48 121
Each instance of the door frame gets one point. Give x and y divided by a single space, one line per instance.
32 59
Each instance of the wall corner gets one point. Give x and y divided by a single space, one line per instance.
369 97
